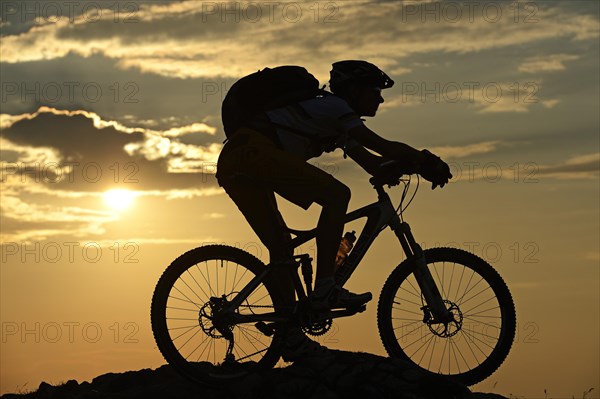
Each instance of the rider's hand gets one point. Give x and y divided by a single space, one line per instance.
435 170
389 173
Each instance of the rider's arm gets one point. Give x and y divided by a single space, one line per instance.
409 157
367 160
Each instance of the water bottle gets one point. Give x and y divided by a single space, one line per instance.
345 247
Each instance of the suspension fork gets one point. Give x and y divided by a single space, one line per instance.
430 291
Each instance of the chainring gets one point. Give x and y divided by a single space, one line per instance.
319 328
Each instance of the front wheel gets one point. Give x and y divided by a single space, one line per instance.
477 340
187 302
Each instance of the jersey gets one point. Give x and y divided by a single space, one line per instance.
311 127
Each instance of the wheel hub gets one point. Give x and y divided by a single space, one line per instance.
211 320
449 328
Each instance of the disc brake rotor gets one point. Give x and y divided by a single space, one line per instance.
206 317
447 330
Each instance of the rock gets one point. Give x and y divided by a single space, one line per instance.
44 387
343 375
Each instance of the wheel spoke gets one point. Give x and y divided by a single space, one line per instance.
481 322
198 284
187 310
411 292
406 300
482 303
472 335
199 345
411 312
429 341
186 300
185 332
179 328
236 283
188 340
476 295
460 301
190 288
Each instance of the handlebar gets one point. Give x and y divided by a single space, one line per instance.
390 173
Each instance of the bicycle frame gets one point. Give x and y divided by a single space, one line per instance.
379 215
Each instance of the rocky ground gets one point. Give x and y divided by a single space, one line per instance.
346 375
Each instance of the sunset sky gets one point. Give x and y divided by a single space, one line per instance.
110 131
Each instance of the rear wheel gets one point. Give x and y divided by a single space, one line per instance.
472 346
189 295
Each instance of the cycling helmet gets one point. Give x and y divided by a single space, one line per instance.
349 72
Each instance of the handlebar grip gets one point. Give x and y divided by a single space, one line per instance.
391 178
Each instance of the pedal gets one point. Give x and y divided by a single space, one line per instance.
265 328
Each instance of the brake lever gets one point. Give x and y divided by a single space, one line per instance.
396 182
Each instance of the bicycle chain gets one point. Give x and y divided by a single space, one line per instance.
257 306
316 329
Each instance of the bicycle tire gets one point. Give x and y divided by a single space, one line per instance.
399 308
186 296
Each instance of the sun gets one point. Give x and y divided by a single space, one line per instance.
119 199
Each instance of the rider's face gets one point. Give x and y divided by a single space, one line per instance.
368 99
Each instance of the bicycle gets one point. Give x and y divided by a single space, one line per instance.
216 313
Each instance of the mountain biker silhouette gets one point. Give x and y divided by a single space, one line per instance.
253 166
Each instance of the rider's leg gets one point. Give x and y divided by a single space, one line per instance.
314 185
334 200
249 169
259 207
268 169
243 167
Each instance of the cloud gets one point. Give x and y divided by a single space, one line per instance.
32 211
196 39
546 63
496 97
453 152
575 168
180 157
27 217
401 101
491 97
97 85
585 166
550 103
579 167
399 70
15 207
213 215
592 255
79 151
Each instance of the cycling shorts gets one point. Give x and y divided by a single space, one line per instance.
249 158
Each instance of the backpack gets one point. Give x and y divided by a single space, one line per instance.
251 96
